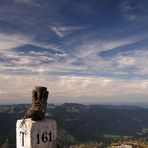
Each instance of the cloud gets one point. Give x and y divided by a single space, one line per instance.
121 63
92 44
128 10
34 58
126 6
23 1
83 59
28 2
132 17
18 62
40 63
65 88
62 31
57 41
131 63
9 41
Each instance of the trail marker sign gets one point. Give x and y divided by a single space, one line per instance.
36 134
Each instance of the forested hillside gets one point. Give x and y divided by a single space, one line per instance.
80 123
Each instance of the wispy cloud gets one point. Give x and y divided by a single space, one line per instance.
28 2
23 1
13 59
62 31
126 6
128 10
9 41
84 59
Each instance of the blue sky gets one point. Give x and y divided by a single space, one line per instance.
88 51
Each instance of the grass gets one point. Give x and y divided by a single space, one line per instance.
145 130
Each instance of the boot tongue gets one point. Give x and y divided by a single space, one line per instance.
40 90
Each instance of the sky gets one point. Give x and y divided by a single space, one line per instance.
83 51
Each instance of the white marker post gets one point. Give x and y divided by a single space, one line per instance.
36 134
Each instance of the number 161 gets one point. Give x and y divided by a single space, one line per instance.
44 137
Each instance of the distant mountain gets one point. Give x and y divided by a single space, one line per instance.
80 123
90 122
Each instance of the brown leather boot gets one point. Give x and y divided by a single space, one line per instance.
39 101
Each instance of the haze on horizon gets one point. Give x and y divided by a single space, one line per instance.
82 50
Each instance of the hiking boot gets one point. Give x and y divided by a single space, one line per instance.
39 101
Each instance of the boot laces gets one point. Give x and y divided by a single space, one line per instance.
39 104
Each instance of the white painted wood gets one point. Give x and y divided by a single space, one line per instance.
36 134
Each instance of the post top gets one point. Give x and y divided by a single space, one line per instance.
29 120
